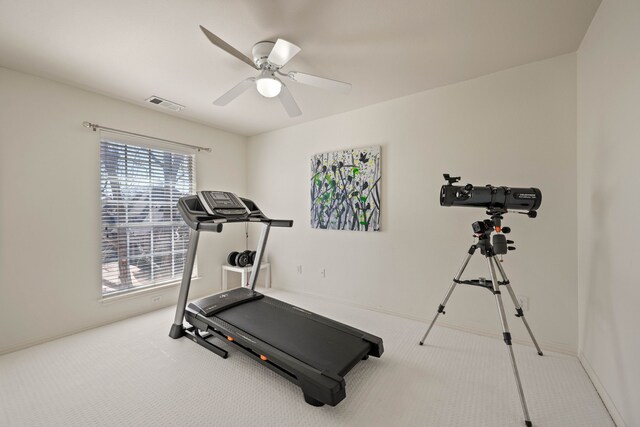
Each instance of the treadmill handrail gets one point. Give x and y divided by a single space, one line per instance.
198 218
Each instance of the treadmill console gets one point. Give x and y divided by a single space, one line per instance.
222 203
208 210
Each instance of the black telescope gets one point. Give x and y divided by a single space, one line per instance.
493 199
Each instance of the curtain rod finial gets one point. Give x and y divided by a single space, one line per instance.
89 125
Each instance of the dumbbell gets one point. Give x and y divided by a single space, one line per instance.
241 259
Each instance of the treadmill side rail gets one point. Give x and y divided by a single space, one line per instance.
321 386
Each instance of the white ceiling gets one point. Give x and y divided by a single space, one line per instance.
132 49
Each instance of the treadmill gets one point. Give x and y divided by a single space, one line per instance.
311 351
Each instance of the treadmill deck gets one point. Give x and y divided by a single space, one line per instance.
314 340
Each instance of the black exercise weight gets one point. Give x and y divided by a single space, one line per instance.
241 259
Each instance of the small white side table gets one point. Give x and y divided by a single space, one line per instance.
265 268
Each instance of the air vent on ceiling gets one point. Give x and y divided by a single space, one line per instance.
164 103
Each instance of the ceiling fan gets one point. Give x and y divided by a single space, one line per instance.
268 58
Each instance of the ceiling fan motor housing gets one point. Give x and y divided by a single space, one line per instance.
260 52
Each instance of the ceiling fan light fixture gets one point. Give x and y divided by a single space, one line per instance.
268 87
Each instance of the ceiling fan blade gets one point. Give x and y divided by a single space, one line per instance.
235 92
283 52
288 102
227 47
311 80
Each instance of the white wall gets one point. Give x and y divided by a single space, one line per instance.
50 209
515 128
609 205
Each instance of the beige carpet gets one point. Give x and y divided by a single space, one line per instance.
131 373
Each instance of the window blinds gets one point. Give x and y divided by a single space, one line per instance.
144 240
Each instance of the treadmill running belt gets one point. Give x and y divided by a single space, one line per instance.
298 334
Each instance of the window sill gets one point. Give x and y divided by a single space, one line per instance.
108 299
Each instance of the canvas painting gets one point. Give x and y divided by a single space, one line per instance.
345 190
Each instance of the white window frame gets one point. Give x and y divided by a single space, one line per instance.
137 147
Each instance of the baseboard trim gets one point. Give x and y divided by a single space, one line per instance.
545 345
168 303
33 343
602 391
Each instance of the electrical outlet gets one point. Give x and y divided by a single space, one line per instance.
323 273
523 301
156 299
300 269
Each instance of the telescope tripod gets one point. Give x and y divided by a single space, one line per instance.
493 285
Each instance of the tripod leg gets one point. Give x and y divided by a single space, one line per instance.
519 312
472 249
507 339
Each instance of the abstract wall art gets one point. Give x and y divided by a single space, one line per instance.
345 190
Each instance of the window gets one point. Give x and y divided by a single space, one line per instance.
144 239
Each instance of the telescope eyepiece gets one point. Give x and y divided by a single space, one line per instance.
465 192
